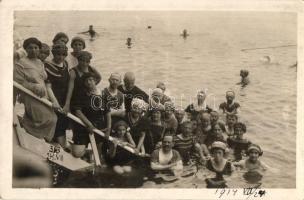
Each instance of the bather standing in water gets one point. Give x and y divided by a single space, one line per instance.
185 33
91 32
219 165
230 106
244 78
166 158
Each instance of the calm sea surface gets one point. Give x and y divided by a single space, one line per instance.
209 58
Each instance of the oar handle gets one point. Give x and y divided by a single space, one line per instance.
73 117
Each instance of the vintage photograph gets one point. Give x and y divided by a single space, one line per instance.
154 99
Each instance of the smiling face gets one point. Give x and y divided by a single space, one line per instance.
84 62
59 58
32 50
77 46
253 155
167 143
231 120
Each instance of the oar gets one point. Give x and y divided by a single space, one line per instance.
273 47
95 151
76 119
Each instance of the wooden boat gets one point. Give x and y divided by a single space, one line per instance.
46 151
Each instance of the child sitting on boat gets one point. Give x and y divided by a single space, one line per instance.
117 157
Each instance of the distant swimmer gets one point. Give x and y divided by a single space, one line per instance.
266 59
185 33
91 32
244 77
129 42
149 27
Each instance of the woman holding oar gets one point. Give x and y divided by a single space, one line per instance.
38 120
92 111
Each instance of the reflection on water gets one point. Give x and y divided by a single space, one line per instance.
210 57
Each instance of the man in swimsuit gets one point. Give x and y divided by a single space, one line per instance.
230 107
91 31
131 91
166 158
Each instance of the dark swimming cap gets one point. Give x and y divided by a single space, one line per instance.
78 39
31 40
60 35
84 54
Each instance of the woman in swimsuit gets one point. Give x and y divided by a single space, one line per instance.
219 165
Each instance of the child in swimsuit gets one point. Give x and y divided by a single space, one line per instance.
117 157
238 143
185 143
231 119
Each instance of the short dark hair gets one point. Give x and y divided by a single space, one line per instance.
31 40
58 36
222 126
241 125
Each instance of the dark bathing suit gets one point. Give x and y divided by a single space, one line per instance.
59 79
93 107
135 92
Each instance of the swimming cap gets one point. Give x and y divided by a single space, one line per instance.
169 106
31 40
115 75
78 39
230 93
201 93
255 147
156 91
60 35
219 145
138 104
84 55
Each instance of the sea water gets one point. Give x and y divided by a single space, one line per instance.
210 58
